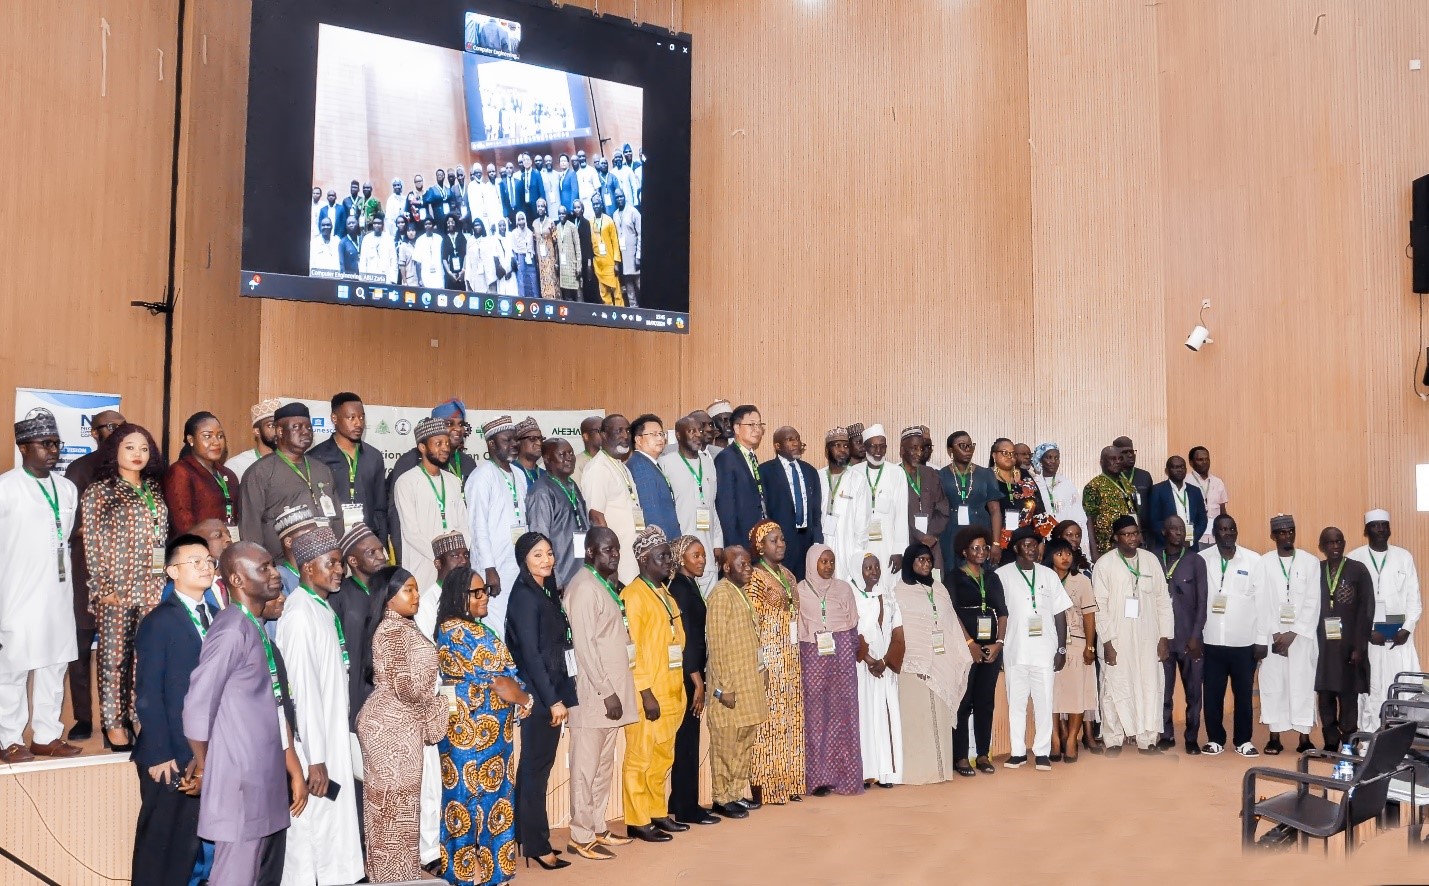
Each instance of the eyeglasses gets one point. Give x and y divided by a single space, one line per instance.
107 426
478 592
651 434
753 424
1002 452
45 444
199 563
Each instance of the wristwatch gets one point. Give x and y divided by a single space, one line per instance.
718 694
1061 650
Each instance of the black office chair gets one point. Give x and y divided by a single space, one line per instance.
1316 815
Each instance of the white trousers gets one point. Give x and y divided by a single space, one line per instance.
430 822
16 704
1030 683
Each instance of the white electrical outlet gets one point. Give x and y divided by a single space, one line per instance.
1415 64
434 343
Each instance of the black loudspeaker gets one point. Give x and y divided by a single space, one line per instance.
1419 234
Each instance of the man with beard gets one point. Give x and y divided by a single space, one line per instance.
1107 499
453 412
1135 479
722 416
591 439
691 472
428 501
265 437
496 501
856 454
928 508
846 507
888 522
1397 608
285 478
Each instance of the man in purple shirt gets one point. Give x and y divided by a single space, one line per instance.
237 718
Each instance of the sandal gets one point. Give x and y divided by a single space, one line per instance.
985 765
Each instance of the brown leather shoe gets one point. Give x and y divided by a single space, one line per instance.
57 748
16 753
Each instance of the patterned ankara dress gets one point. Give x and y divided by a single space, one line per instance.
478 811
776 764
404 714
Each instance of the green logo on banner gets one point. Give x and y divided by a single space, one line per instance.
382 428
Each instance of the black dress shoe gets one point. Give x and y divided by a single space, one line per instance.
823 791
1165 744
1193 749
702 818
649 833
750 803
730 810
669 825
82 730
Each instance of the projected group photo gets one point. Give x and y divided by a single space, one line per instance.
471 172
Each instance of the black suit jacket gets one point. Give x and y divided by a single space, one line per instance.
1162 504
738 500
535 189
536 630
371 482
780 499
166 649
509 206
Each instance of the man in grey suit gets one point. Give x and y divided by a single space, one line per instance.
237 718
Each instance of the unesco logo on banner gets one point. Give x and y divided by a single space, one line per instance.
404 427
321 425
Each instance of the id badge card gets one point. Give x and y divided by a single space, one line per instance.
794 632
352 514
578 544
984 627
676 653
570 662
282 728
938 647
920 523
825 642
875 529
1009 520
1133 607
448 691
456 262
1332 628
60 561
545 250
630 654
233 533
156 558
1218 604
600 248
763 661
518 529
963 518
639 513
1287 614
325 502
702 519
1034 625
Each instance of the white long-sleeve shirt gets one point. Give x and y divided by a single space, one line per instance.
1239 624
1396 584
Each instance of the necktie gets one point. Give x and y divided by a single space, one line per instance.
203 618
799 520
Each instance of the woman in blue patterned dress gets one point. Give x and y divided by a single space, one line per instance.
479 678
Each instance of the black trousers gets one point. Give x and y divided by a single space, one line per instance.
978 701
1237 665
166 843
1191 681
533 772
685 774
79 682
1339 716
275 851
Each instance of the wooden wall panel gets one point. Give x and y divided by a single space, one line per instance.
87 206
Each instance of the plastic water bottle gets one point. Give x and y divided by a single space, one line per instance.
1344 769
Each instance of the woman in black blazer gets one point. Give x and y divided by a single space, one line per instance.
539 637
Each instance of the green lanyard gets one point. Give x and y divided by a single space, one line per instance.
52 496
1133 570
788 592
1031 580
933 602
834 487
441 497
362 584
610 589
306 478
823 605
267 651
753 616
1378 564
336 622
547 592
511 484
1181 497
914 481
1286 572
963 483
193 617
699 476
1224 564
873 484
352 470
981 579
1335 582
575 504
758 480
1171 568
660 595
1051 494
531 475
455 466
227 499
147 494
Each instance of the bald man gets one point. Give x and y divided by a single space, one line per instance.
591 440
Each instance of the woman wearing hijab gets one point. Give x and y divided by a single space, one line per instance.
936 662
540 638
1060 493
486 699
403 714
828 660
776 765
1074 689
981 609
880 656
689 553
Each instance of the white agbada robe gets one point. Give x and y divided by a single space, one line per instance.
1063 500
419 512
394 207
608 487
880 722
1396 595
1132 689
323 254
694 486
845 522
323 843
478 272
429 824
36 606
378 255
427 253
888 515
1287 683
498 518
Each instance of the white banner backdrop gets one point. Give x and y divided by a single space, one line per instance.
72 411
389 428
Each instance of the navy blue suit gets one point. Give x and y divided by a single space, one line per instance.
166 652
513 197
1163 505
535 189
780 497
657 501
738 501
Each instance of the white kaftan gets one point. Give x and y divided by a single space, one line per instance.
427 506
887 515
1133 615
496 501
1396 596
845 519
880 726
1287 592
609 488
